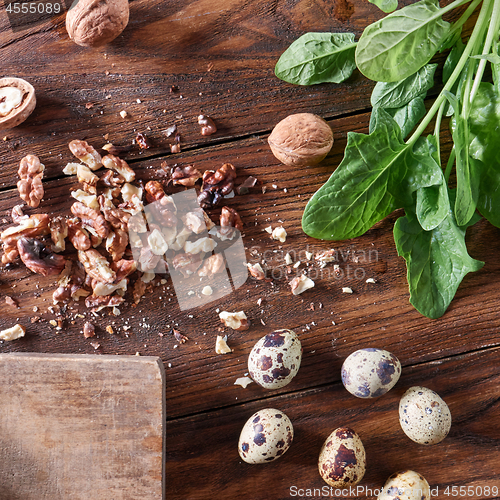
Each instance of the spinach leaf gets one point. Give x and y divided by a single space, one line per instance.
409 115
385 5
484 151
398 94
452 59
467 178
432 202
399 44
378 174
436 261
406 117
317 58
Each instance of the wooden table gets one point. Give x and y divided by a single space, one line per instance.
178 59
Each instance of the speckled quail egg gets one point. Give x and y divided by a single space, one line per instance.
370 372
405 485
275 359
342 461
424 417
266 435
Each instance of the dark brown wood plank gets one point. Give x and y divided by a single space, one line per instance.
203 460
376 314
221 58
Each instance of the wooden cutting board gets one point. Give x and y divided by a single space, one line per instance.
81 427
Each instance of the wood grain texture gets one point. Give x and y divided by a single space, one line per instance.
220 58
204 447
81 427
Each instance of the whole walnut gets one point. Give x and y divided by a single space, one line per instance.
301 139
92 23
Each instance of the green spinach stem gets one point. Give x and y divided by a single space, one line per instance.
476 35
492 32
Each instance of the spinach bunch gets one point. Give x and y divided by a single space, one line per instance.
386 170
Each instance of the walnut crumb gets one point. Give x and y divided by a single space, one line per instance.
346 289
243 381
109 329
221 346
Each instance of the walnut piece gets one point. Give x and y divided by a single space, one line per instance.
229 221
91 218
88 330
38 258
216 185
78 237
90 200
279 233
87 178
201 245
300 284
58 233
301 140
221 346
118 165
207 125
96 265
35 225
30 184
235 320
256 271
116 243
96 303
86 153
213 265
13 333
186 263
185 176
93 23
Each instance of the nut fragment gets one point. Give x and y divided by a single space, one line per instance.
256 271
229 221
221 346
30 184
201 245
87 178
235 320
207 125
86 153
185 176
38 258
91 218
33 226
96 265
213 265
118 165
58 233
216 185
279 233
88 330
243 381
78 237
13 333
300 284
301 139
93 23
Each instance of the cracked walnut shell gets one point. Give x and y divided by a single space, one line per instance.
301 140
17 101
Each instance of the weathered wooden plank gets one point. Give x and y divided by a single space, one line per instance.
81 427
203 447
